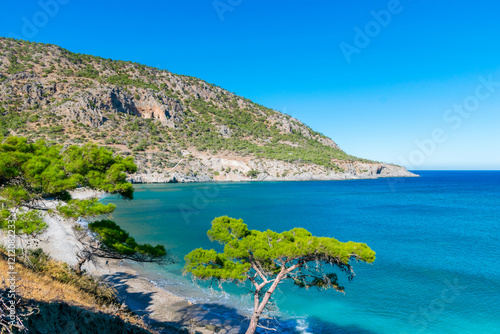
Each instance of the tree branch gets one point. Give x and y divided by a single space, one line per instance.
254 266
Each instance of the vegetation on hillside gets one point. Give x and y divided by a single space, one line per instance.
50 290
211 119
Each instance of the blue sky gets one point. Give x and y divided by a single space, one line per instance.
395 81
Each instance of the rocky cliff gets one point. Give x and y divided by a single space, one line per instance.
179 128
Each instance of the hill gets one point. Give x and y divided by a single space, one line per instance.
178 128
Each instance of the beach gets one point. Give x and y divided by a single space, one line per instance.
160 308
418 227
421 228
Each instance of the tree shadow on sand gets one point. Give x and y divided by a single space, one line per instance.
41 317
181 314
137 301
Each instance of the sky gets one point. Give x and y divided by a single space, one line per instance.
411 82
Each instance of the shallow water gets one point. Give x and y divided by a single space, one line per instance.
436 238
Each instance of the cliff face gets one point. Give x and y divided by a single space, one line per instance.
178 128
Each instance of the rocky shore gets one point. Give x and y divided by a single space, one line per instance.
249 170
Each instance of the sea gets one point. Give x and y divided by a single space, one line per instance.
436 238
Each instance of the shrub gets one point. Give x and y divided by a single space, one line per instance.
253 174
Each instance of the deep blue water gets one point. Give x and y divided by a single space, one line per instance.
436 237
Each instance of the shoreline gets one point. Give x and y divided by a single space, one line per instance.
159 307
155 178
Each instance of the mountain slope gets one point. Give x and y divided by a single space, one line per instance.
179 128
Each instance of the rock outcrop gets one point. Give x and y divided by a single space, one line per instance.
237 169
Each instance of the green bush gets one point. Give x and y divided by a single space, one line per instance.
116 239
88 72
253 174
30 222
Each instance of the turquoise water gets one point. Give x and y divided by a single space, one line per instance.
437 241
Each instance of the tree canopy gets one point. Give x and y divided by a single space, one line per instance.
116 239
267 258
35 171
31 173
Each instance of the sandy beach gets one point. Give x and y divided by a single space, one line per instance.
160 308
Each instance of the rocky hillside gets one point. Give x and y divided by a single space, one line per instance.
179 128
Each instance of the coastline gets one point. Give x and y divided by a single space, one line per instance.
176 177
230 167
159 307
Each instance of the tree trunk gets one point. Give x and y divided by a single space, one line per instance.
256 314
259 308
253 324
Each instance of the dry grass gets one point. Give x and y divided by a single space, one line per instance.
41 287
56 284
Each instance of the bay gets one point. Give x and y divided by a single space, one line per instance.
436 237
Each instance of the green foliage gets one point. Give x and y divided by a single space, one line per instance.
125 80
215 265
271 249
36 170
67 72
11 120
56 128
141 146
85 208
116 239
33 118
31 172
30 222
15 66
253 174
88 72
266 258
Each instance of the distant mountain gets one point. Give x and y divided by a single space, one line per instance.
179 128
